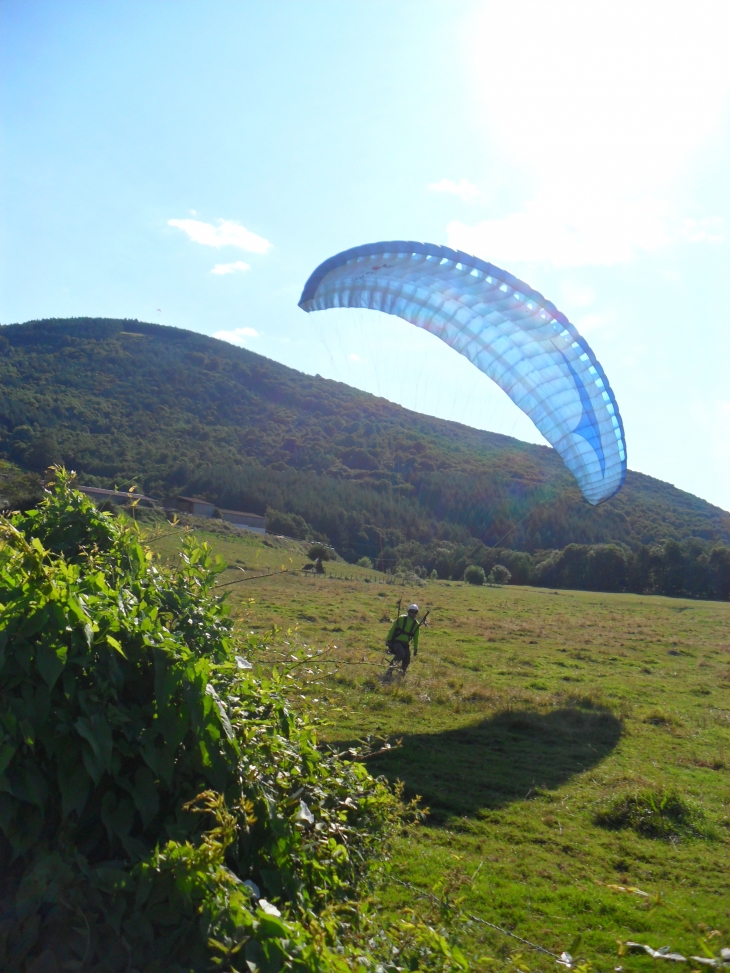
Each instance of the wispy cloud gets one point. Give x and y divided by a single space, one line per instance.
576 294
709 230
574 231
356 358
238 336
235 268
227 233
463 188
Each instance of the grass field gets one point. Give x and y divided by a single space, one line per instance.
527 714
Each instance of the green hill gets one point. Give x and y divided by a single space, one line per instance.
173 411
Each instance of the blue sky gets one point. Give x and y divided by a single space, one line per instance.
192 162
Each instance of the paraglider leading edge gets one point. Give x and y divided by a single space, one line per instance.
506 329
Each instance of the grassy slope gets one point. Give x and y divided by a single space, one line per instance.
525 710
173 410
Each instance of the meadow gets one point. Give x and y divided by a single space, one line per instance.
572 748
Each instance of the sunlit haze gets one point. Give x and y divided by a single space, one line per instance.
191 163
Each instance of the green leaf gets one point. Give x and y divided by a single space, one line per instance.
117 815
74 783
28 732
25 827
458 957
33 623
23 656
271 926
98 734
145 794
6 755
35 543
50 663
29 784
115 645
222 714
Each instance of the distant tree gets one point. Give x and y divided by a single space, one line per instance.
434 575
290 525
500 575
42 452
364 562
640 571
19 490
475 575
673 566
320 551
606 568
720 570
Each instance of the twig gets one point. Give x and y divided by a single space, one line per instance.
256 577
485 922
373 753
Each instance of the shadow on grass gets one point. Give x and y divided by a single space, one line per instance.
499 760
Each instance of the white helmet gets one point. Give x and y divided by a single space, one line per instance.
413 608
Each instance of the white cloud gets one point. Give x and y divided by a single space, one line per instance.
238 336
237 267
228 233
356 358
587 323
575 294
574 230
602 109
710 230
467 190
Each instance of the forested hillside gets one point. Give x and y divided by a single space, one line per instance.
173 411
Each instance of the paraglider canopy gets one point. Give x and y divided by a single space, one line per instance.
508 330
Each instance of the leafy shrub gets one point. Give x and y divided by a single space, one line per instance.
364 562
654 814
500 575
321 552
474 575
146 772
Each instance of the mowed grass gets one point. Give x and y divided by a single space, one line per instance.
526 713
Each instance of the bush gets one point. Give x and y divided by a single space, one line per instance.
320 551
500 575
654 814
365 562
474 575
147 774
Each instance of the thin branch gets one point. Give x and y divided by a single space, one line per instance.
505 932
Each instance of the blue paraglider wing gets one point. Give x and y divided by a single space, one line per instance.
509 331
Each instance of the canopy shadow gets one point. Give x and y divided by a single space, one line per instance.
499 760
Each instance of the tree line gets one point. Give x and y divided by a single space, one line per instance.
690 568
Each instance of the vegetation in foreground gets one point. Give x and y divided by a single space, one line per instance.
161 806
572 748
